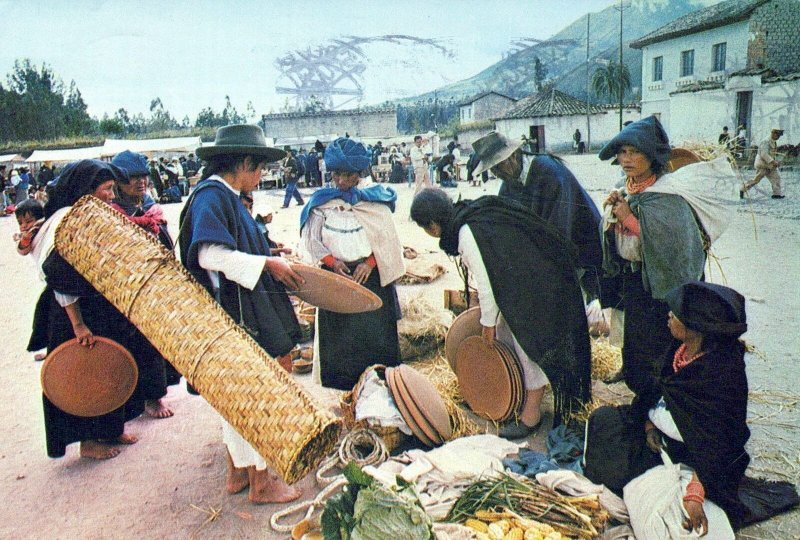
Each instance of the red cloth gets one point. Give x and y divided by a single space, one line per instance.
150 221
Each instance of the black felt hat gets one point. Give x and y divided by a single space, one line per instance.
647 135
708 308
240 139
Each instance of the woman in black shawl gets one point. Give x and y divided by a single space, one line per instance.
71 308
532 289
696 410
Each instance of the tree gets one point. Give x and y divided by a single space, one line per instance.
35 105
606 80
539 74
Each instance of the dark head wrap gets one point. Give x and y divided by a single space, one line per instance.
346 155
133 163
647 135
708 308
78 179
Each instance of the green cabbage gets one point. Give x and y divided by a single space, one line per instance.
368 510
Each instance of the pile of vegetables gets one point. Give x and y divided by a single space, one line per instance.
366 509
518 506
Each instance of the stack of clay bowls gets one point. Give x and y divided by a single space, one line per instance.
467 324
420 405
490 378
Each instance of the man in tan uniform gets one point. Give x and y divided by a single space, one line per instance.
767 165
419 160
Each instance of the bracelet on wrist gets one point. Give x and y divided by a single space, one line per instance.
694 498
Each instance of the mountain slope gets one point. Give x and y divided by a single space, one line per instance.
566 63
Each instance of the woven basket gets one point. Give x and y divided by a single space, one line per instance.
392 436
291 430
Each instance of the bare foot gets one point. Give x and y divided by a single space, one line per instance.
125 438
98 450
39 356
266 487
237 478
156 409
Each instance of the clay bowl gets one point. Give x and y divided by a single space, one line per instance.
89 382
483 378
427 400
302 366
404 412
420 419
515 371
333 292
465 325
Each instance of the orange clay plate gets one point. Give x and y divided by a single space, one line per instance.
484 379
391 378
333 292
467 324
427 400
89 382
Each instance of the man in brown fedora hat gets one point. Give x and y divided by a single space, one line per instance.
223 248
767 165
542 183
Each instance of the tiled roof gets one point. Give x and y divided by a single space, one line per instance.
343 112
721 14
475 98
548 103
698 86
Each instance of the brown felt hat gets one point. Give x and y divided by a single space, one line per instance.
89 382
493 148
241 139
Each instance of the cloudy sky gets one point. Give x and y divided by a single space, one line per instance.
191 53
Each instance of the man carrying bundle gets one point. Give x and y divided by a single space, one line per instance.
224 250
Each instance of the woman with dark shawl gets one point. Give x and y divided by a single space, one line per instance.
544 184
131 198
222 247
529 295
71 308
695 410
350 230
652 243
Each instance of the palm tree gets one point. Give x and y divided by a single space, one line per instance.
606 80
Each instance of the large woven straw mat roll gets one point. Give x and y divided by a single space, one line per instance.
289 428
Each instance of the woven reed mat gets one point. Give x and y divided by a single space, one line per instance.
291 430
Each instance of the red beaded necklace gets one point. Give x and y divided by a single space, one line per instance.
633 187
679 361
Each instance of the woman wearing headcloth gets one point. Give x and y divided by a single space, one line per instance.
132 199
528 291
654 239
695 410
71 308
349 230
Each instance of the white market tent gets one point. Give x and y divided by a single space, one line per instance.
72 154
112 147
8 158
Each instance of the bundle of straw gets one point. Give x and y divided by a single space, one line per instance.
581 517
145 282
606 359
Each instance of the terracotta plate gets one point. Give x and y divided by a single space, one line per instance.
680 157
333 292
89 382
483 378
467 324
391 378
428 400
515 371
419 417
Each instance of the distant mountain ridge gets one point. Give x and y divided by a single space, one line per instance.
514 75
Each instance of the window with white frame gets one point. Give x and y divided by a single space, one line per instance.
687 63
718 56
658 68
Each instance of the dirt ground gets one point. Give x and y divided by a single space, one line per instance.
170 484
